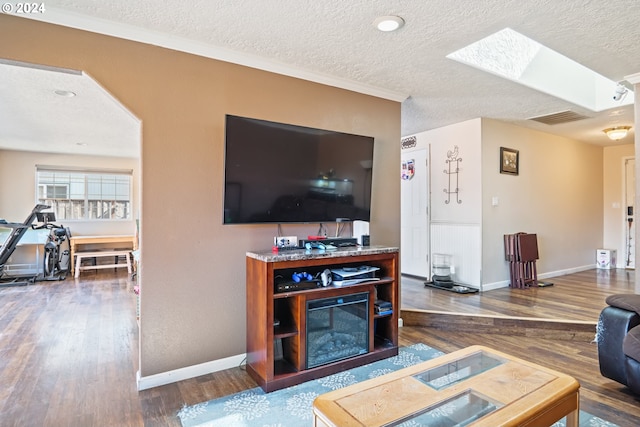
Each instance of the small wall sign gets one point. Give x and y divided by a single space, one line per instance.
409 142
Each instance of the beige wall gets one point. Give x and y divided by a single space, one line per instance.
18 187
558 195
193 268
614 204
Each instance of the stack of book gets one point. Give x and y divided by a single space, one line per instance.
382 307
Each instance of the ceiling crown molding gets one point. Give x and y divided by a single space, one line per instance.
129 32
634 79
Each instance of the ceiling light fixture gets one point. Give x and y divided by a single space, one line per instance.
617 132
65 93
388 23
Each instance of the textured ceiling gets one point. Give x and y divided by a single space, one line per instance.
34 118
333 41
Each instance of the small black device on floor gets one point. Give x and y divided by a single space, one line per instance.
542 284
452 287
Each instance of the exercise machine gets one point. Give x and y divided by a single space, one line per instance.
10 244
57 249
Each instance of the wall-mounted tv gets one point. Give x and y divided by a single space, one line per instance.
283 173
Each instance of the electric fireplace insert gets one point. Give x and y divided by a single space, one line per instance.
337 328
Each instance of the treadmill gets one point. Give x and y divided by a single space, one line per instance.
6 250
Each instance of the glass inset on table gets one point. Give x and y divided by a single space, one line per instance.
457 411
450 373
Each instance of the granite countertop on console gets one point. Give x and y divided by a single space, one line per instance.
302 254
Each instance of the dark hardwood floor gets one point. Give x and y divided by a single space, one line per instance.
69 350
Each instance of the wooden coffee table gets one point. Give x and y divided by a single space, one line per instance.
476 386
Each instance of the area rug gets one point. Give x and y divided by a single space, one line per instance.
292 407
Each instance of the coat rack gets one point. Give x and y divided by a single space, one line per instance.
452 156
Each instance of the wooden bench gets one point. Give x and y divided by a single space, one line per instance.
97 254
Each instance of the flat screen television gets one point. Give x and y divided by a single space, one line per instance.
283 173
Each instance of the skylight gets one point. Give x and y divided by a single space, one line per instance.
518 58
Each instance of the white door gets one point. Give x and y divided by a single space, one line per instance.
630 232
414 215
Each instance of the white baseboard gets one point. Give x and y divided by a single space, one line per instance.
185 373
495 285
566 271
505 283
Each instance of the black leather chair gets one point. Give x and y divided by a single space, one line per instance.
618 338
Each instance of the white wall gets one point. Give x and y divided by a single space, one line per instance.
456 219
466 137
614 204
18 188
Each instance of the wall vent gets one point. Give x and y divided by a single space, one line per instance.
559 118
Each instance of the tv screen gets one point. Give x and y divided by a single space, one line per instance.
282 173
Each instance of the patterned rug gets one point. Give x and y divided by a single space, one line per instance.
292 407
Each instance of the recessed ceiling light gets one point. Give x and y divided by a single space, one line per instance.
65 93
388 23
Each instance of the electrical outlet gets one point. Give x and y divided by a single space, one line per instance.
285 241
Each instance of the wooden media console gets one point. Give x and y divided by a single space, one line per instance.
278 321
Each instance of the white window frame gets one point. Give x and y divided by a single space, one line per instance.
79 204
45 190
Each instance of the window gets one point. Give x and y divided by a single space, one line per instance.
85 194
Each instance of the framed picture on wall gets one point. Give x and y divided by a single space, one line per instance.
509 161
